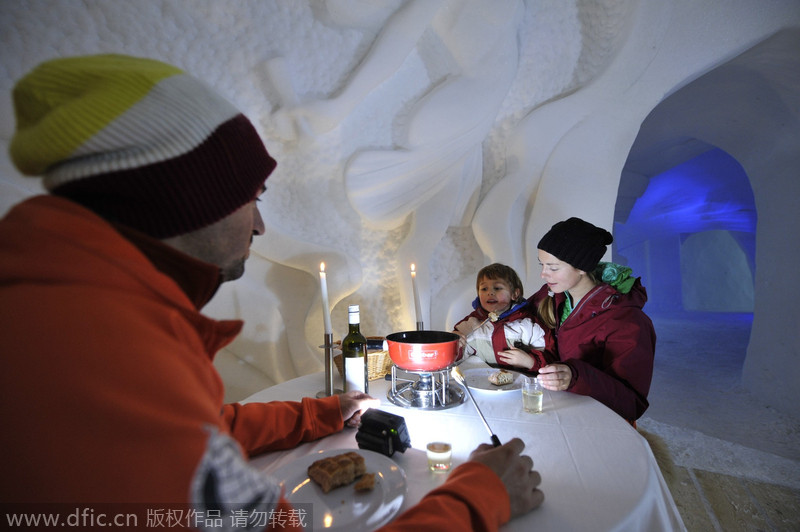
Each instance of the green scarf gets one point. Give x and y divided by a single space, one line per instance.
616 275
567 310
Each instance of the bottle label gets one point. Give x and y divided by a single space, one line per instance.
355 373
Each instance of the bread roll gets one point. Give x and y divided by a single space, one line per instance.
499 378
366 483
334 471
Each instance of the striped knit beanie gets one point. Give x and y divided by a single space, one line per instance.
576 242
138 142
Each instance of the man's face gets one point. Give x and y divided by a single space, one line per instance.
225 243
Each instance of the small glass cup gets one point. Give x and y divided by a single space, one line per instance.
439 454
532 395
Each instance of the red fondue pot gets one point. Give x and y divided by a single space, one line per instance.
423 350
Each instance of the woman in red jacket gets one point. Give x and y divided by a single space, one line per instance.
605 342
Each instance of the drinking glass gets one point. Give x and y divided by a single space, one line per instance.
532 394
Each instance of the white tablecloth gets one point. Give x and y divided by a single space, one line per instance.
598 473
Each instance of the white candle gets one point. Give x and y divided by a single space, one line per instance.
417 308
326 309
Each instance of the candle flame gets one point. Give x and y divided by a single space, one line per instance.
322 267
413 267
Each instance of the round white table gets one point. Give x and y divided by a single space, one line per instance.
598 472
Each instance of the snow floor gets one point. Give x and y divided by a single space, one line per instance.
700 409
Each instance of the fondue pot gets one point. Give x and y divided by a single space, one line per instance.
423 350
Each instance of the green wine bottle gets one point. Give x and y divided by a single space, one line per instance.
354 353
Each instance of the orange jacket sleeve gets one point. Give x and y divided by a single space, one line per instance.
278 425
473 498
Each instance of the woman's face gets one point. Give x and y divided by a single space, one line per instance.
558 275
495 295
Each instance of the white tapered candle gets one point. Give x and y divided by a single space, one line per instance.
417 307
326 309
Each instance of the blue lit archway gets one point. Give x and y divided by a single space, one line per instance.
691 236
748 108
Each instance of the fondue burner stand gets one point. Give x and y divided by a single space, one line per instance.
431 390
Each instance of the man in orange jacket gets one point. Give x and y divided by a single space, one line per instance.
109 391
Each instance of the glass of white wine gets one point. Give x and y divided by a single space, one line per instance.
532 394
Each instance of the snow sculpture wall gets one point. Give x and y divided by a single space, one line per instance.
445 133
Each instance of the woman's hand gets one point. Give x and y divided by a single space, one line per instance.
516 357
555 377
353 404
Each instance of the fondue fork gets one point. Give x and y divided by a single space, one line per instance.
460 378
491 315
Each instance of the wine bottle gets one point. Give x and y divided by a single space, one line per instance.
354 353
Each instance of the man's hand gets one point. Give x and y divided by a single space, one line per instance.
516 472
355 403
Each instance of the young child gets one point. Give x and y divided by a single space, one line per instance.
503 329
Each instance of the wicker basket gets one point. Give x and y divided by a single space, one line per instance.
378 364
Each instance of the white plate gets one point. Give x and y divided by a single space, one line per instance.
344 508
478 379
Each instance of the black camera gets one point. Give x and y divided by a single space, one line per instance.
382 432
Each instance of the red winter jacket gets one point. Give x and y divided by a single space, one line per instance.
609 344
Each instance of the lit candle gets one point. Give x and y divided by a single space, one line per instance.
326 310
417 308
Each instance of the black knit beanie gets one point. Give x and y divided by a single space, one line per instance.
576 242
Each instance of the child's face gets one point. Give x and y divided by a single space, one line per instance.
495 295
